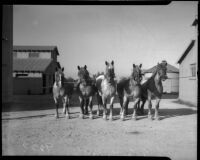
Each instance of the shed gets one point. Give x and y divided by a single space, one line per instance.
34 68
171 85
188 65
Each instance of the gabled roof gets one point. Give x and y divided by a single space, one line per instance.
31 64
195 22
186 51
170 69
35 48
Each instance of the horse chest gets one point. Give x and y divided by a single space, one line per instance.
85 90
108 89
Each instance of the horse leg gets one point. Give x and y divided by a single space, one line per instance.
56 104
86 106
81 105
149 107
66 107
125 99
135 108
156 116
126 107
142 106
121 104
111 107
90 105
104 100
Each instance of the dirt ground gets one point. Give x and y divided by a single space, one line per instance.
37 132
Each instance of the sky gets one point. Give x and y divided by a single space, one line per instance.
92 34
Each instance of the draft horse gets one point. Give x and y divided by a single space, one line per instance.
130 87
153 87
62 88
106 86
86 91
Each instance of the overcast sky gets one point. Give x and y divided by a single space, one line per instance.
92 34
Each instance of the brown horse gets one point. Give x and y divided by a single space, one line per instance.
64 89
153 87
107 88
130 87
86 90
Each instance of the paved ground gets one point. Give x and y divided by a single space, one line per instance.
37 132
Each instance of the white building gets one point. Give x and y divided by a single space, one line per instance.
171 85
188 78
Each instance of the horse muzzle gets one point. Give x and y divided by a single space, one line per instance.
164 78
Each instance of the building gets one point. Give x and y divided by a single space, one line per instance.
7 59
171 85
188 65
34 68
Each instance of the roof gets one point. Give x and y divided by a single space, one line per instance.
35 48
31 64
195 22
170 69
186 51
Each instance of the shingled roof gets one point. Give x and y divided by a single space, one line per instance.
35 48
30 65
170 69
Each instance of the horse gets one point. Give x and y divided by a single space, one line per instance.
62 88
86 91
153 87
130 87
106 86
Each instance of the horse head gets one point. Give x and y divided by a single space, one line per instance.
162 70
110 73
59 76
83 74
137 73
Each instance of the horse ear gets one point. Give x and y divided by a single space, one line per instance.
62 69
85 67
133 65
140 65
106 63
78 67
112 62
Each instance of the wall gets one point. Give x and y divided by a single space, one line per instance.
188 85
42 55
49 73
29 74
22 85
170 85
7 59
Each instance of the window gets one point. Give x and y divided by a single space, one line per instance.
193 69
33 55
19 75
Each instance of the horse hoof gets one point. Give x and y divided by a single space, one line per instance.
150 117
157 118
134 118
111 118
67 116
81 116
91 117
104 117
